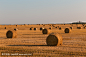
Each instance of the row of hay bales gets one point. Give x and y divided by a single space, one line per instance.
48 31
53 39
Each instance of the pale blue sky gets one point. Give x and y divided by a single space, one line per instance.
42 11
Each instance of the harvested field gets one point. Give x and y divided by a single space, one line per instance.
34 42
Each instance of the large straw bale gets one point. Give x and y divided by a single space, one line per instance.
67 30
54 39
46 31
11 34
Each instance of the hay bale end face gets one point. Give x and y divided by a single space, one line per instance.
54 39
78 27
31 28
11 34
5 27
15 29
45 31
41 28
70 27
67 30
35 28
50 27
60 28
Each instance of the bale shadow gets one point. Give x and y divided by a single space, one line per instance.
27 45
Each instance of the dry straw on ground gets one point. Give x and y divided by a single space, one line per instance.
46 31
54 39
67 30
11 34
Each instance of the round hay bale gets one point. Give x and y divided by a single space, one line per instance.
11 34
15 29
78 27
35 28
43 25
50 28
41 28
31 28
50 25
45 31
5 27
54 39
67 30
56 27
60 28
70 27
84 27
83 24
16 25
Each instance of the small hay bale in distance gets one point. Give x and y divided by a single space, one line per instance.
78 27
46 31
60 28
31 28
40 28
35 28
5 27
16 25
67 30
50 28
54 39
70 27
15 29
11 34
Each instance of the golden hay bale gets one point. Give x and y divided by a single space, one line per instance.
40 28
78 27
84 27
15 29
43 25
57 27
31 28
46 31
50 28
5 27
11 34
70 27
35 28
54 39
83 24
16 25
60 28
67 30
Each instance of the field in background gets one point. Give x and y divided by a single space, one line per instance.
34 42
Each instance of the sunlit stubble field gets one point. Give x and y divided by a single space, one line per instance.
33 41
